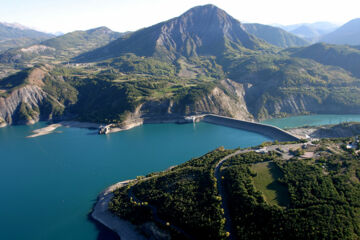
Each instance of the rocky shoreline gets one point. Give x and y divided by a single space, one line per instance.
349 129
124 229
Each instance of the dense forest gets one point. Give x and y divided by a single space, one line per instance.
278 194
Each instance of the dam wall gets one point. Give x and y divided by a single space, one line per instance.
263 129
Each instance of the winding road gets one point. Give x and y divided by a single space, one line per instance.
221 190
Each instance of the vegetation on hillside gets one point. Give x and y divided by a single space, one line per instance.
186 197
269 197
342 56
178 70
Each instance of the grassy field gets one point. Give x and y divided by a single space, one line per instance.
266 182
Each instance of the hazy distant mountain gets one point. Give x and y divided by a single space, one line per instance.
83 39
310 31
337 55
58 34
349 33
62 47
15 35
275 35
203 30
14 31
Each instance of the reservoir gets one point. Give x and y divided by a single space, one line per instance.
312 120
49 184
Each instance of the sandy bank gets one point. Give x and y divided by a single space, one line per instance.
124 229
52 127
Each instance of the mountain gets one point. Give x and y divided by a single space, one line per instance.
310 31
16 35
275 36
342 56
201 31
62 47
89 39
201 62
307 32
349 33
16 31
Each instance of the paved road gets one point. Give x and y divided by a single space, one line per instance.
221 190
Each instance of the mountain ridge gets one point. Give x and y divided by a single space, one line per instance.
274 35
202 30
349 33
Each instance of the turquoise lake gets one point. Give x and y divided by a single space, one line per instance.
50 183
312 120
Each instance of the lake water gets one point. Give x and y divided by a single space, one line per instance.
49 184
312 120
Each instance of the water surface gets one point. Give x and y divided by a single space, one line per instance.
312 120
49 184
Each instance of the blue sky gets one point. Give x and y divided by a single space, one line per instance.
130 15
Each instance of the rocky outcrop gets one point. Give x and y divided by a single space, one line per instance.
30 97
26 105
227 99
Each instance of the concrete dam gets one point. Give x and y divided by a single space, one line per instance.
264 129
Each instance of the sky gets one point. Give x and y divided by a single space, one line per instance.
129 15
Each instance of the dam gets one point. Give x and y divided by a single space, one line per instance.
264 129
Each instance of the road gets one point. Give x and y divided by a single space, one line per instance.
221 190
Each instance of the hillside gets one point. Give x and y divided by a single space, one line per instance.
268 192
34 94
336 55
201 31
349 33
278 86
275 36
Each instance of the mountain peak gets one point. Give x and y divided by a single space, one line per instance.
209 11
201 31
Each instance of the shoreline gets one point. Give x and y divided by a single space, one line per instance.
124 229
264 129
350 129
52 127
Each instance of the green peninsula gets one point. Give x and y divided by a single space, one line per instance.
274 191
